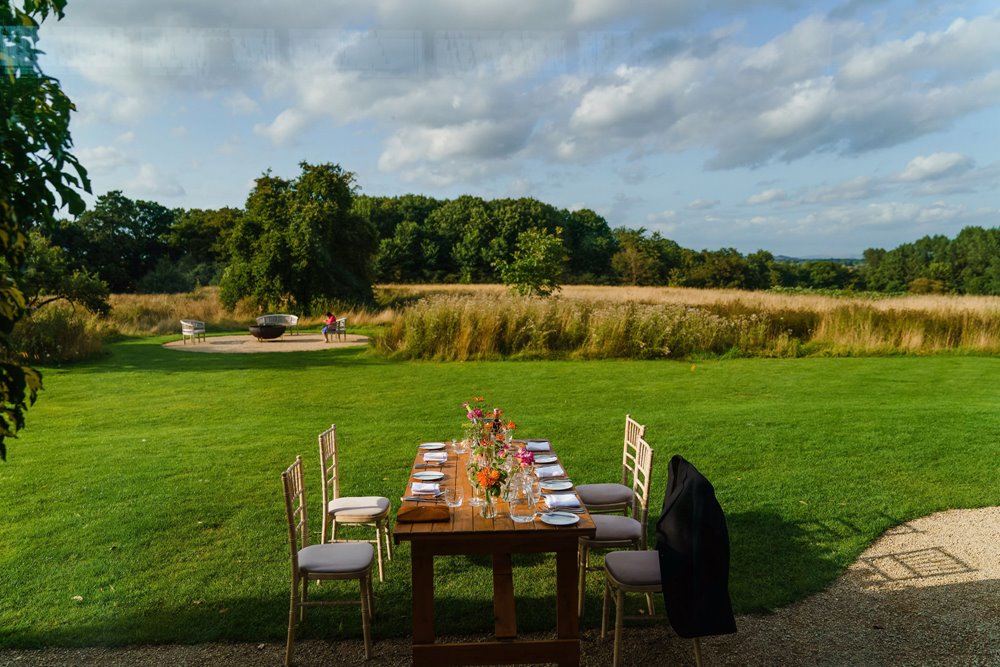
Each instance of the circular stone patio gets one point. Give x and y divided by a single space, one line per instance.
247 344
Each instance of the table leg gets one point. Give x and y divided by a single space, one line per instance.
567 622
422 582
504 613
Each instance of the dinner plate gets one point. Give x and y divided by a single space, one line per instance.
557 485
433 445
560 518
428 476
546 458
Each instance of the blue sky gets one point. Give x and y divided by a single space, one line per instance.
803 128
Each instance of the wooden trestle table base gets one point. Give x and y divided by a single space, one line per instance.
467 533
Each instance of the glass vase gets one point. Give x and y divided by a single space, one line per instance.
488 510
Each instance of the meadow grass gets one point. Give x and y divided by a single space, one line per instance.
484 322
143 501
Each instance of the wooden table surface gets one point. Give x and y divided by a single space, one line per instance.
466 532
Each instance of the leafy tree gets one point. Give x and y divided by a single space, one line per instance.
198 248
300 243
120 239
590 244
635 263
38 176
536 263
49 276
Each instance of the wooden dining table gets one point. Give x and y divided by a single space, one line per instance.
467 533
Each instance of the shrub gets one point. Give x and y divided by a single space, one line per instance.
58 333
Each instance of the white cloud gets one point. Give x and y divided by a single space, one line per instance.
102 158
126 137
241 103
178 132
661 216
768 196
472 140
149 181
935 166
702 204
853 189
285 128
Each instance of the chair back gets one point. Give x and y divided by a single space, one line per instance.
329 469
295 509
641 483
634 431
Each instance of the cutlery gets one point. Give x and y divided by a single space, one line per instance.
423 499
429 465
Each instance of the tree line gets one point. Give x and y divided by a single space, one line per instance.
305 241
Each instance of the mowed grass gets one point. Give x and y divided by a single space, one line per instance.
143 502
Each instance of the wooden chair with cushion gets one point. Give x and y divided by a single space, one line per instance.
615 531
631 572
354 510
612 498
321 562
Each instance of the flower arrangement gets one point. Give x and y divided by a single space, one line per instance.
490 442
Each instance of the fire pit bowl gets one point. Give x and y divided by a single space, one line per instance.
267 331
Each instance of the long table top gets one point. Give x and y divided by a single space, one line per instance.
466 522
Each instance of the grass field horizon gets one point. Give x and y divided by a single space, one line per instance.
147 483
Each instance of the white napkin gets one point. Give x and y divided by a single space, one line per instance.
554 470
429 488
556 501
537 445
435 457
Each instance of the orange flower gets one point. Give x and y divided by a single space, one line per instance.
488 477
510 425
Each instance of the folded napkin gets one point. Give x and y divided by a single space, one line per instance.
554 470
435 457
415 514
426 488
555 501
538 446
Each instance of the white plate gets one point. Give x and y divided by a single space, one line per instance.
546 458
560 518
428 476
433 445
557 485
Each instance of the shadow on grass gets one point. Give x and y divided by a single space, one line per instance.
775 561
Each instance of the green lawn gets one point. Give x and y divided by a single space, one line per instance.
148 483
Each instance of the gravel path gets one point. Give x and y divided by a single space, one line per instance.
926 593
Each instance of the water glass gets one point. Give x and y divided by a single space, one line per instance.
453 496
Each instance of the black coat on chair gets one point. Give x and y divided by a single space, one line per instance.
693 543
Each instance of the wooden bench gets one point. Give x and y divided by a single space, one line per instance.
290 322
192 329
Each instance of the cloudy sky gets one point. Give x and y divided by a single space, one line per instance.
803 128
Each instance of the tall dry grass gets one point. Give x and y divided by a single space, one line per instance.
485 321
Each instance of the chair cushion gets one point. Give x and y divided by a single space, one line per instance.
634 568
358 507
604 494
340 558
614 528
